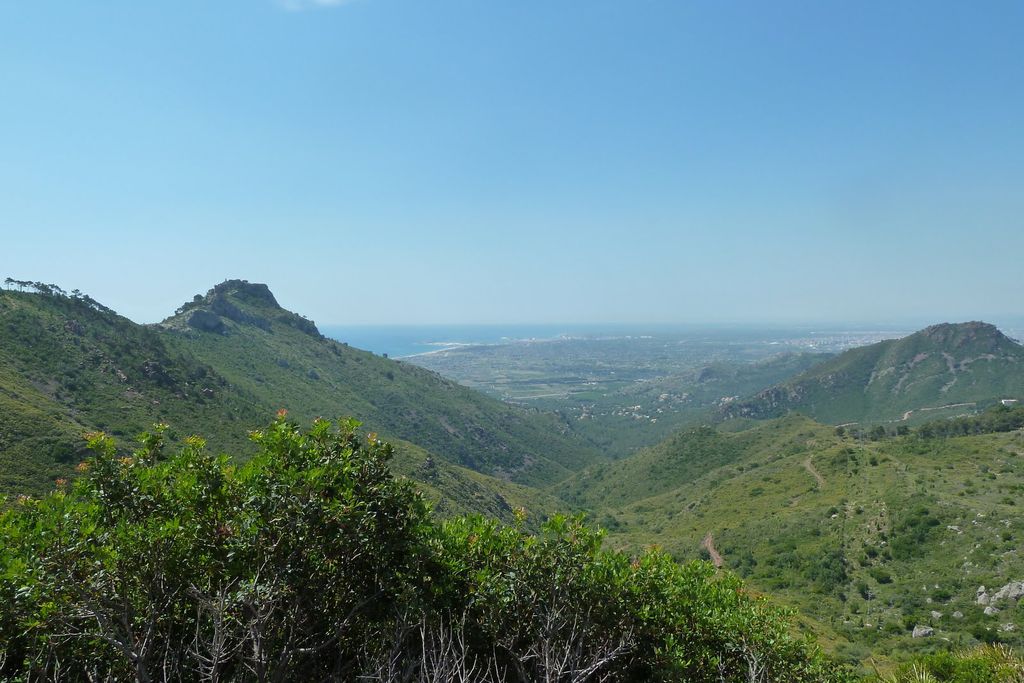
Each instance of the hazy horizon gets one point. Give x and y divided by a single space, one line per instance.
910 322
394 162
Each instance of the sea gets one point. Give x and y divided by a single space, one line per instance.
404 341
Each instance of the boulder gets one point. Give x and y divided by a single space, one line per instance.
991 611
922 631
1011 591
981 596
958 614
936 615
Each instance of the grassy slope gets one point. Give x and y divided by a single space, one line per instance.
66 368
939 366
859 553
310 375
37 438
455 490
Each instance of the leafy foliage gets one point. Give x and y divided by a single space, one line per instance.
312 562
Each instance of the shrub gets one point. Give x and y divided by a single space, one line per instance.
311 562
983 664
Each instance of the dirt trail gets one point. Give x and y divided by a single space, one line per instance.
809 466
709 544
906 415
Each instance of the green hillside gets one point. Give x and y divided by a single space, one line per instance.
69 365
943 370
282 360
869 539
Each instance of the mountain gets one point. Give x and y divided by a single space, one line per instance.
281 359
944 369
867 538
69 365
234 356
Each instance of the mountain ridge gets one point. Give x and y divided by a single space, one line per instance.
75 366
948 365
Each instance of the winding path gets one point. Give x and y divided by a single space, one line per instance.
906 415
709 544
809 466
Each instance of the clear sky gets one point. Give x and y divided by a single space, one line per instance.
406 161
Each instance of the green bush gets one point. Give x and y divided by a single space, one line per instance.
311 562
983 664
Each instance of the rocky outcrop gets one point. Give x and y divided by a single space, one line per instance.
1011 592
300 323
157 373
959 335
245 303
249 292
206 321
224 308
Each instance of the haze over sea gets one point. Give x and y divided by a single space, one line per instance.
399 341
402 341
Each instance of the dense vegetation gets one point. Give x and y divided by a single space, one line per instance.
999 418
69 365
311 562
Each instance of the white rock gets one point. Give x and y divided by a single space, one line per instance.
991 611
922 632
1011 591
936 615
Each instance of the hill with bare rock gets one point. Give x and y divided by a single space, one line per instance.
234 356
943 370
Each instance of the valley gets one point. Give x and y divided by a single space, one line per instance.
870 539
627 389
774 460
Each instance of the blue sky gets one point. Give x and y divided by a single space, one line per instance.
404 161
